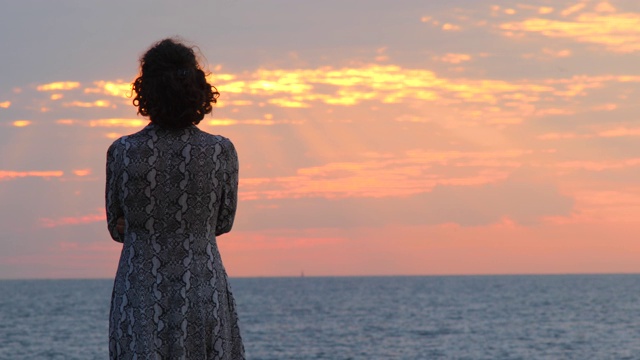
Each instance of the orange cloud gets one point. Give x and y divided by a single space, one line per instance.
266 121
108 123
553 111
617 32
545 10
118 123
84 104
487 101
619 132
116 88
572 9
451 27
82 172
452 58
598 165
5 104
21 123
608 133
288 103
605 7
605 107
558 136
412 118
381 54
578 85
112 135
9 175
385 83
557 53
61 85
393 84
240 103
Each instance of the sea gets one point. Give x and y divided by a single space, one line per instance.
423 317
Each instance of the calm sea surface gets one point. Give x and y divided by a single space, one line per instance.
484 317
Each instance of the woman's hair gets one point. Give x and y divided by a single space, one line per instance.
172 89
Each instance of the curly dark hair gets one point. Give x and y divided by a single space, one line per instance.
172 88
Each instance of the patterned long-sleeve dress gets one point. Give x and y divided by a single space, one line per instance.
177 190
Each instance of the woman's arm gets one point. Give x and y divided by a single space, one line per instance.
229 193
112 195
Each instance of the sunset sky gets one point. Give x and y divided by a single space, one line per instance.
375 137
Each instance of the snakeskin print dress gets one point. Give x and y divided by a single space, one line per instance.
177 191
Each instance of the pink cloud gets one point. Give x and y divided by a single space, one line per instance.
72 220
9 175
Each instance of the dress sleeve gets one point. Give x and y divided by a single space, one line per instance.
229 193
112 194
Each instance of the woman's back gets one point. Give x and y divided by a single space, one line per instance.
176 190
176 181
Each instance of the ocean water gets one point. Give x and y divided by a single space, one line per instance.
466 317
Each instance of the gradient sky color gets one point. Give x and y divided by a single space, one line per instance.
375 137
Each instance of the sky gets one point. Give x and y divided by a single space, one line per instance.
375 137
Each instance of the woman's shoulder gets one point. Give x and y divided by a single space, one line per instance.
140 135
216 139
118 143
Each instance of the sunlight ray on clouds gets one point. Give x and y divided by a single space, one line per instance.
419 171
461 130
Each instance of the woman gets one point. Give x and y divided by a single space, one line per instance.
171 190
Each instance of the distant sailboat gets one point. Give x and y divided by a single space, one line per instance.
302 274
